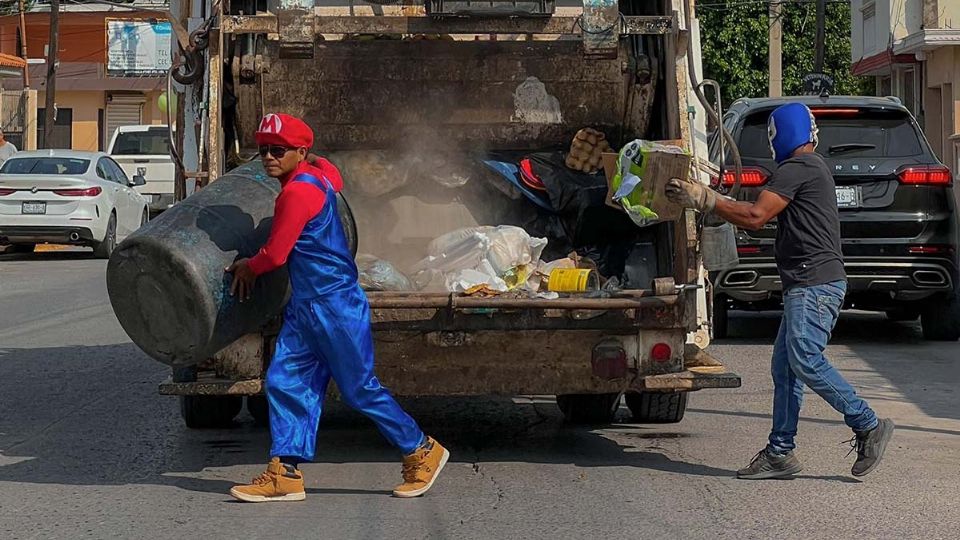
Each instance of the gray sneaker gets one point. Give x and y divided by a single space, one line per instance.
870 446
768 465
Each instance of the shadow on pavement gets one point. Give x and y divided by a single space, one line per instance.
92 416
903 366
77 254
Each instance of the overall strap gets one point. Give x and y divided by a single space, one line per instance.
308 178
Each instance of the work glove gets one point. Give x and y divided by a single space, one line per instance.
691 195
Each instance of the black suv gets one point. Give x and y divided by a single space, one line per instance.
898 214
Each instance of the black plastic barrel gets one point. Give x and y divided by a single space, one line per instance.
167 282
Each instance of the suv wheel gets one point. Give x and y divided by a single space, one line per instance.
941 320
902 314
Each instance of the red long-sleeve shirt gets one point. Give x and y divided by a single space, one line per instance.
298 203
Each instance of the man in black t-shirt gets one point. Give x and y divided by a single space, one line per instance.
802 195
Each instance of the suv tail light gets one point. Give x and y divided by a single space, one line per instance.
4 192
929 249
925 176
751 177
88 192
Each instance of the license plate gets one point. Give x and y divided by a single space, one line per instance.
34 208
848 197
149 198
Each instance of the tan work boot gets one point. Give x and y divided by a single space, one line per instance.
421 468
279 483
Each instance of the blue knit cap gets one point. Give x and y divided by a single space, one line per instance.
790 127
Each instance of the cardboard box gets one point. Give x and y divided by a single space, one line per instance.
660 167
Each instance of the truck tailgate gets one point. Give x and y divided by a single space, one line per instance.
157 170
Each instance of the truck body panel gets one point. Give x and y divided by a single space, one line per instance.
405 120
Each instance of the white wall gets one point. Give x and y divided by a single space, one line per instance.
876 33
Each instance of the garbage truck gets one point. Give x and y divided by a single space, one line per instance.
403 98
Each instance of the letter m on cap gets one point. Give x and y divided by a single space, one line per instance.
270 124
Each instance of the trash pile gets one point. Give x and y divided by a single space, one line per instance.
589 223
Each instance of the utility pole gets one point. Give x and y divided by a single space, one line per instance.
23 46
775 50
49 117
821 35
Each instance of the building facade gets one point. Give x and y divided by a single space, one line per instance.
912 49
100 85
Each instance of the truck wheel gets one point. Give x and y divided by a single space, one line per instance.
589 408
941 320
721 316
902 314
657 407
259 409
209 412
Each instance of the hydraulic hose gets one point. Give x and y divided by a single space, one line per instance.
731 143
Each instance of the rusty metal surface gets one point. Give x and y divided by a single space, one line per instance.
212 387
556 25
242 359
689 381
460 302
418 312
538 362
446 96
483 363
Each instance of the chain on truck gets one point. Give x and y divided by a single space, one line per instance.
382 82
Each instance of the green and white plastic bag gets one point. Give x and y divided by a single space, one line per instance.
628 180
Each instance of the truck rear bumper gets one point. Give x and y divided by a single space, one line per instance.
904 279
701 371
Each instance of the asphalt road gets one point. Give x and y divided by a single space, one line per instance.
89 450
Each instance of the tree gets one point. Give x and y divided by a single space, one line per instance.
734 38
12 7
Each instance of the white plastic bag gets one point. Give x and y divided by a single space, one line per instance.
505 255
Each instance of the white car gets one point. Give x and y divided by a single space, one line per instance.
68 197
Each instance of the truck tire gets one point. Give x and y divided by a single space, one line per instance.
657 407
209 412
721 316
259 409
589 408
941 320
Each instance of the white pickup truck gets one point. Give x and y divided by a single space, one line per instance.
145 151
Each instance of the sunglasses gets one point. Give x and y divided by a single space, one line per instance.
274 150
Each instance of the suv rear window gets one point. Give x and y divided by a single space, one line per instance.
154 141
846 132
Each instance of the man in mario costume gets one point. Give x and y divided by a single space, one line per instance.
326 327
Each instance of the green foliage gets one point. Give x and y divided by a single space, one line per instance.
12 7
734 36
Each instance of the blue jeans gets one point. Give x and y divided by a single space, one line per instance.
809 315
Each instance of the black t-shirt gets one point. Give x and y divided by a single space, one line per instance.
808 232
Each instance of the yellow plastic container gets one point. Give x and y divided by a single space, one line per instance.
570 280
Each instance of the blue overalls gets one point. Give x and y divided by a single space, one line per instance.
326 333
